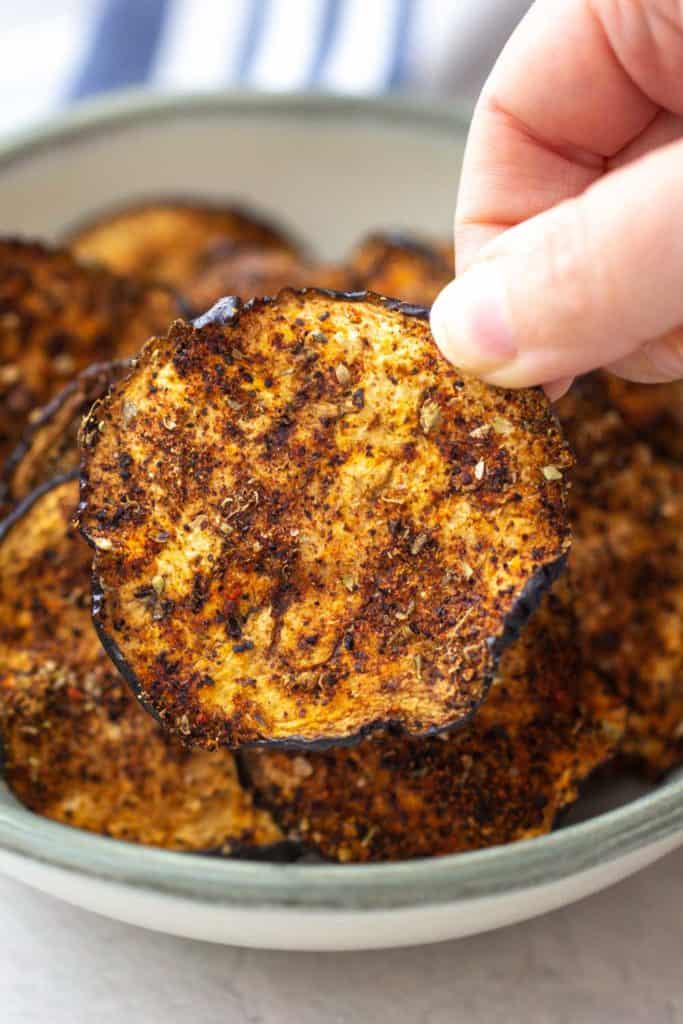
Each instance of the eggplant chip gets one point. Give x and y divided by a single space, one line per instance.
57 317
654 411
503 777
76 746
308 525
627 560
248 271
49 447
172 240
631 616
402 266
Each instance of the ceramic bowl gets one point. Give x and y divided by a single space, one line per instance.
331 169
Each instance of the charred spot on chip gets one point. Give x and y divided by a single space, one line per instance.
250 271
174 240
58 316
76 745
546 725
626 504
403 266
48 447
277 503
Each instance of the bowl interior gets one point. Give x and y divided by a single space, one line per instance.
332 169
329 169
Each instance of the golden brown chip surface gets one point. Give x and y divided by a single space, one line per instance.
544 727
171 240
627 561
248 271
49 446
57 317
402 266
307 524
76 745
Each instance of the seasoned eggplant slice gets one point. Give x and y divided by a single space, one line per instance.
402 266
631 616
654 411
545 726
172 240
627 559
609 417
308 525
49 447
57 317
249 271
76 745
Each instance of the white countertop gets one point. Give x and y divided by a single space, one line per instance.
615 958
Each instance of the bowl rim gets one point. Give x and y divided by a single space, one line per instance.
125 107
653 818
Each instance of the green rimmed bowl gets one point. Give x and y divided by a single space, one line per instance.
331 169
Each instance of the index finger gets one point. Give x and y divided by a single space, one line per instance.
576 83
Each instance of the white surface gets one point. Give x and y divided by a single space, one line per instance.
612 959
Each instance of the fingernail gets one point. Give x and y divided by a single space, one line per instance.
555 389
666 355
471 323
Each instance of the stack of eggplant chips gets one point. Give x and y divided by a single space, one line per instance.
280 581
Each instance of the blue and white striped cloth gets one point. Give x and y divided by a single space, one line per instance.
54 52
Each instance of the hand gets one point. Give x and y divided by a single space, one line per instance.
569 221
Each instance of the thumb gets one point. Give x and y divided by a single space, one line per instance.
595 281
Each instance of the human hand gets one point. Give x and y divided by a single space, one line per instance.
569 221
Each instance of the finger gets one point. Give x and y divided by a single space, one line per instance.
656 362
583 285
553 187
665 128
576 84
555 389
